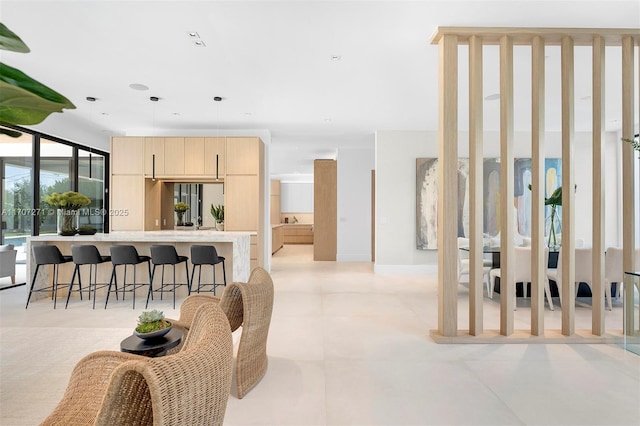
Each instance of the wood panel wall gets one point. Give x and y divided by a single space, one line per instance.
448 40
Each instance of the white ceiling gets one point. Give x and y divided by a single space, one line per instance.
272 63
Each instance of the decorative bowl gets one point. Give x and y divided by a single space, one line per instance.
87 231
153 334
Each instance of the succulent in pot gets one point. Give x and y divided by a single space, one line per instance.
152 324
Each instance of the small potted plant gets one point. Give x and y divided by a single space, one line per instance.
180 208
86 230
218 215
152 324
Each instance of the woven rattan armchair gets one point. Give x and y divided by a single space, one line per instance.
248 305
187 388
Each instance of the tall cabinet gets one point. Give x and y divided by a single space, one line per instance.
244 193
127 184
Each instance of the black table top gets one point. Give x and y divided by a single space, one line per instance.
154 347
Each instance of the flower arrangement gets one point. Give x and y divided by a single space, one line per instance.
69 200
180 208
151 321
68 204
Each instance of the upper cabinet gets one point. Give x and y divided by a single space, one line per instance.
243 155
214 157
174 157
127 155
154 157
194 156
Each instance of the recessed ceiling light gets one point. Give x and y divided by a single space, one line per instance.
248 114
176 113
217 98
138 86
104 113
336 57
154 99
585 98
91 99
199 43
327 120
193 34
492 97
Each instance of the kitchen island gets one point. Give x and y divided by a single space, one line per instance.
234 246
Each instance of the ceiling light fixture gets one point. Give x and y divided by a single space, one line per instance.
336 57
154 98
199 43
193 34
492 97
92 100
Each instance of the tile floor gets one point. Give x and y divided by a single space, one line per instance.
346 347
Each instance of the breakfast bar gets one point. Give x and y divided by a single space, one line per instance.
234 246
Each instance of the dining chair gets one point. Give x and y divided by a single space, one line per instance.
464 264
522 268
614 271
583 262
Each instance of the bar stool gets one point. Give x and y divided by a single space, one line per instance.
47 255
86 254
206 255
167 255
126 255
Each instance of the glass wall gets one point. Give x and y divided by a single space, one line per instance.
58 166
91 177
16 192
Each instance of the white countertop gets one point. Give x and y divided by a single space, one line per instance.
151 236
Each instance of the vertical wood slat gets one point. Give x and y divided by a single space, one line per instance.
568 182
507 277
447 179
598 225
628 159
476 195
538 259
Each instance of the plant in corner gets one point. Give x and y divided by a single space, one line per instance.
180 208
68 204
152 322
218 215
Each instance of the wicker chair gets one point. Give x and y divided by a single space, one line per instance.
188 388
248 305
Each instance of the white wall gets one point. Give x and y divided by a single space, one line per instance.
396 153
296 197
354 204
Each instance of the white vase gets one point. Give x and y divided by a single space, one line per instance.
219 226
68 222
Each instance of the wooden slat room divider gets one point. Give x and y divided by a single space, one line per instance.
449 39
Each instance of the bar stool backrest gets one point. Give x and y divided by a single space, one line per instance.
85 254
204 255
164 255
47 255
124 255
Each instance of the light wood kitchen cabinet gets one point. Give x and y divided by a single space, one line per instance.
194 156
277 238
215 157
298 234
241 203
127 154
243 155
173 156
154 157
127 203
325 202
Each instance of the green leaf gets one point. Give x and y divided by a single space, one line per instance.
10 41
23 100
9 132
555 199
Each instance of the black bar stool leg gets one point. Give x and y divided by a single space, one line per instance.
33 283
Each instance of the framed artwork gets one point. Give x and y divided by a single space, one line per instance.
427 197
